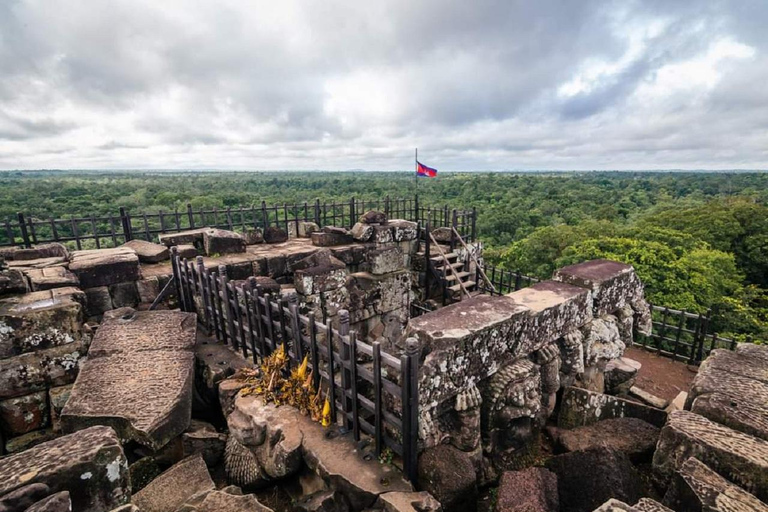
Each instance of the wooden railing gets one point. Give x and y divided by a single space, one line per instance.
376 393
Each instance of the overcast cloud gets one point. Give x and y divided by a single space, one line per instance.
476 85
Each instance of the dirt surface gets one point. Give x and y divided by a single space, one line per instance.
661 375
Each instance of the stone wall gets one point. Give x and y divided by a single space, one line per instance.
491 366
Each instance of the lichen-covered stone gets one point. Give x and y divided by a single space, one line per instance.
103 267
148 252
57 399
90 464
158 346
23 414
403 230
362 232
275 235
28 440
742 457
320 279
613 284
373 217
221 241
620 374
40 320
124 295
602 340
49 250
326 239
386 260
190 237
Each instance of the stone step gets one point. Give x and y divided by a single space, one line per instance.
444 268
468 285
461 275
449 256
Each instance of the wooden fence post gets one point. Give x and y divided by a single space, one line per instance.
23 227
204 287
412 350
229 327
125 221
345 358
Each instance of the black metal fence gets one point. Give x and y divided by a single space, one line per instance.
503 281
115 229
377 393
682 335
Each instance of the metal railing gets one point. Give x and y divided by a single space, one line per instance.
502 281
377 393
114 229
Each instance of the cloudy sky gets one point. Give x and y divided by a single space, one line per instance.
476 85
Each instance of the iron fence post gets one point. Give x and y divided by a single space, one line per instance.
24 234
125 221
411 453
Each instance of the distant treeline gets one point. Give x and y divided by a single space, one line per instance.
699 240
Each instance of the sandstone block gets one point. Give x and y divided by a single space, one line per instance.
24 265
527 490
50 277
23 414
325 239
175 486
159 345
39 370
383 235
187 251
220 241
373 217
275 235
124 295
59 502
403 230
581 407
302 229
696 487
103 267
57 399
218 501
28 440
613 284
602 340
190 237
448 474
40 320
648 398
386 260
50 250
408 502
362 232
620 374
90 464
442 235
148 289
99 300
631 436
148 252
203 438
13 281
253 236
320 279
743 457
23 497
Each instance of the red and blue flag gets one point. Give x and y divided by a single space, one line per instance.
422 171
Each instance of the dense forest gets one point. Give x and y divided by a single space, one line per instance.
698 240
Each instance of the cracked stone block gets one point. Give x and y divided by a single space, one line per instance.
320 279
99 300
90 464
190 237
373 217
697 487
219 501
187 251
50 277
24 265
648 398
442 235
174 487
59 502
326 239
613 284
408 502
386 260
448 474
302 229
253 236
57 399
221 241
602 341
42 251
148 252
383 235
529 489
740 456
124 295
634 437
28 440
13 281
620 374
202 438
103 267
153 409
23 414
581 407
40 320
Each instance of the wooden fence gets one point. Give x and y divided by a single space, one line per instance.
503 281
370 391
114 229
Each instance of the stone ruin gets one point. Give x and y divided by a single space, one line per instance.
113 399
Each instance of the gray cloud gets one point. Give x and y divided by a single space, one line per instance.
341 84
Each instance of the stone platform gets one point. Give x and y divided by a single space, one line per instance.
138 378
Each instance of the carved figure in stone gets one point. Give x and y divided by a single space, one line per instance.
548 359
466 436
602 341
626 323
241 467
511 404
643 319
571 357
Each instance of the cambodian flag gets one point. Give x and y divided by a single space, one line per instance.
422 171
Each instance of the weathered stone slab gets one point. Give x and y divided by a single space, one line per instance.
124 295
361 232
403 230
218 501
620 374
28 440
555 310
408 502
190 237
696 487
99 300
275 235
581 407
175 486
754 351
613 505
56 261
325 239
57 399
59 502
40 320
648 398
613 284
148 289
50 277
187 251
373 217
51 250
302 229
23 497
649 505
743 365
371 295
152 409
527 490
90 464
383 235
23 414
12 280
103 267
742 457
220 241
634 437
148 252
